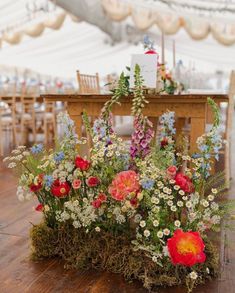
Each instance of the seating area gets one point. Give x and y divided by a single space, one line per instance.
26 119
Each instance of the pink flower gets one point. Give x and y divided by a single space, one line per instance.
76 183
96 203
171 172
92 181
123 184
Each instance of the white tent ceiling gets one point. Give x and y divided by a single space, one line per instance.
79 45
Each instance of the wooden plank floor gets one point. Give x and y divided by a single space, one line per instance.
18 274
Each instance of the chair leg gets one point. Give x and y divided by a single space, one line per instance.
227 163
1 144
15 141
34 132
45 132
54 125
22 133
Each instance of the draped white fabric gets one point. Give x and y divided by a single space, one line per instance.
53 21
169 22
79 45
82 46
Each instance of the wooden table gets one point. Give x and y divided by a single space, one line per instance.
18 98
185 106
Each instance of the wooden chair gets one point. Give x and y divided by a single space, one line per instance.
7 120
28 118
1 134
88 84
49 121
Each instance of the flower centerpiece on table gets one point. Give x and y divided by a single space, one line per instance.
166 83
144 210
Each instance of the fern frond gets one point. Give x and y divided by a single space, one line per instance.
87 123
215 181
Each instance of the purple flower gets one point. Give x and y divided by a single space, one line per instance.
141 138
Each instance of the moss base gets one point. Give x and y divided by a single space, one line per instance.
104 251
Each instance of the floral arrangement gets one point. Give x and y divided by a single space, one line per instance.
166 83
143 210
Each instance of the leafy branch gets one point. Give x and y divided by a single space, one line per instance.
139 100
216 112
87 123
121 90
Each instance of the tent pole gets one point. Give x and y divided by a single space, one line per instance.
174 54
163 48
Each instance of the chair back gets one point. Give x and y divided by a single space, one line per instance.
88 84
28 105
8 105
49 107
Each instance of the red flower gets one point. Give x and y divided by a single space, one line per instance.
92 181
102 197
184 182
164 142
134 202
39 208
150 52
82 164
96 203
171 172
59 189
35 187
186 248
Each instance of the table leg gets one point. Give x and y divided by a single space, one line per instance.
198 126
179 124
78 124
154 120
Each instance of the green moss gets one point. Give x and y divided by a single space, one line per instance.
104 251
43 242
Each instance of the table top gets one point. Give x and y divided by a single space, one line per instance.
18 98
156 98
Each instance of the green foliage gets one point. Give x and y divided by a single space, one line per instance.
162 158
139 100
87 123
122 90
217 180
216 112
